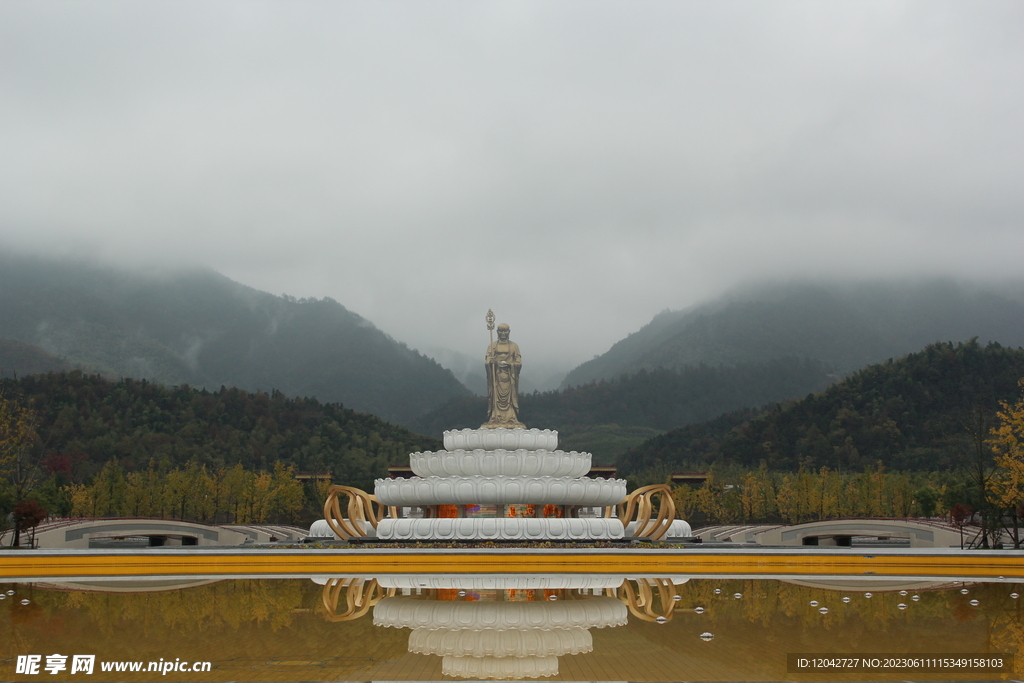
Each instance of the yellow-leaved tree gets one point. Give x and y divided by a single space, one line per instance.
685 500
1006 488
19 468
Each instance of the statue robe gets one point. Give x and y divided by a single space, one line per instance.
503 385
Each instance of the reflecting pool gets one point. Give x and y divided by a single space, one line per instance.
456 627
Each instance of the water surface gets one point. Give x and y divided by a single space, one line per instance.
320 629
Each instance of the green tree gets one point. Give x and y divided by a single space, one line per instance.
926 499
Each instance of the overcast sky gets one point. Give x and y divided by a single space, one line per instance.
576 166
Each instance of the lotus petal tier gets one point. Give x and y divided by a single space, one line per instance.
493 439
500 462
525 582
599 612
503 490
490 643
678 527
487 667
500 528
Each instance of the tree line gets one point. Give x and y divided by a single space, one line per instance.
927 411
81 445
60 433
988 492
226 495
766 496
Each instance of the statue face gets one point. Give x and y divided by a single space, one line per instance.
503 331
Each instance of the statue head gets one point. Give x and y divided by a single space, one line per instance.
503 331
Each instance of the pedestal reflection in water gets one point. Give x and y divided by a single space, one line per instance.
433 627
500 627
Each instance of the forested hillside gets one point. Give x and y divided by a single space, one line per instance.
845 327
200 328
607 417
928 411
84 421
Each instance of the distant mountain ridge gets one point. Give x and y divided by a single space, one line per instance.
200 328
18 358
844 327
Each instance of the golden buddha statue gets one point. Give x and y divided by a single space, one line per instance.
503 363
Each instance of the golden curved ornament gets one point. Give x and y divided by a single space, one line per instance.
639 506
360 508
641 601
360 596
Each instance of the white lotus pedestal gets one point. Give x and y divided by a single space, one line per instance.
499 484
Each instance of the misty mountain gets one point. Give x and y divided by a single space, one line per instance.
467 369
845 327
538 374
927 411
200 328
18 359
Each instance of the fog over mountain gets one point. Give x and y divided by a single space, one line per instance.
538 373
574 166
200 328
845 326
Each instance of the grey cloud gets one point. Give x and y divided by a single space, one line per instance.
575 166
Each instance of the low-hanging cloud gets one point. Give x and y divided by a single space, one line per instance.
576 166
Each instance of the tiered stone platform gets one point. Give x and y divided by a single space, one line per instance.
499 484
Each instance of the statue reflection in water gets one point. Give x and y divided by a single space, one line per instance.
501 627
